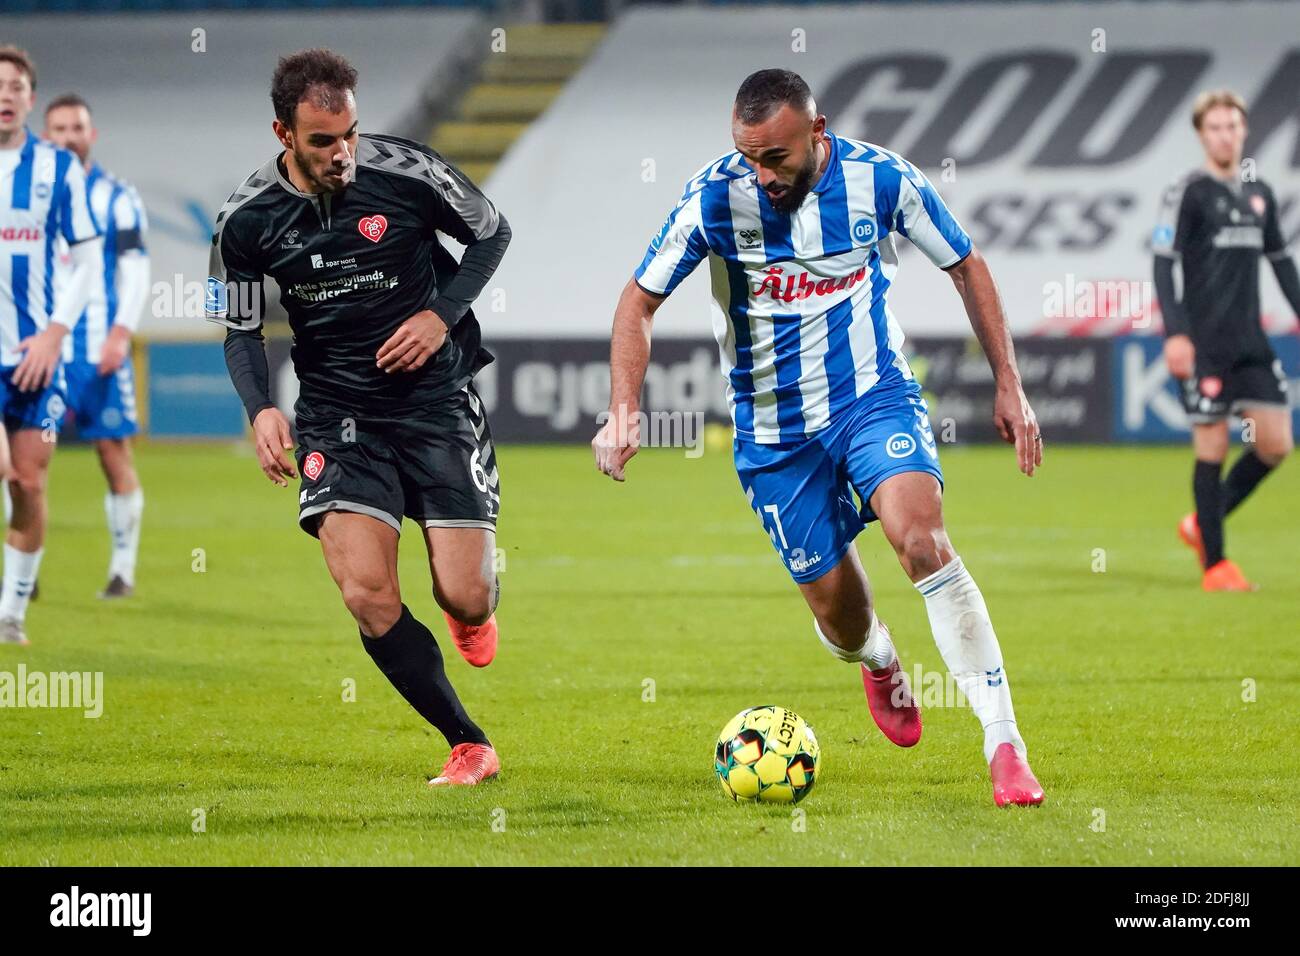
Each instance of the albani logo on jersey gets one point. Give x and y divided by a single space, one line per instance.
313 465
21 234
373 227
802 286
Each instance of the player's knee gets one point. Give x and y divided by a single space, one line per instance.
376 605
923 550
1273 450
1211 443
471 603
27 482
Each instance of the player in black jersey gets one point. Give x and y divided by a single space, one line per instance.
385 348
1215 222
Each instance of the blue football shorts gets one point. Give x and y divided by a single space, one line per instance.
813 495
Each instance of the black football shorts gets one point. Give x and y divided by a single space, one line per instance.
1212 398
436 466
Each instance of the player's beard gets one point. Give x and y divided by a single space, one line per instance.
325 183
797 191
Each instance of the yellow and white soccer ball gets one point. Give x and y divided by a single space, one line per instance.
767 754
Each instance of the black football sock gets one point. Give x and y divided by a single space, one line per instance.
1248 472
409 657
1208 492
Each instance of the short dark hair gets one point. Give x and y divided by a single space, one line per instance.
20 59
66 99
322 75
765 92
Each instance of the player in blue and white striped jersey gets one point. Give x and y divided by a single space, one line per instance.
800 229
42 198
97 355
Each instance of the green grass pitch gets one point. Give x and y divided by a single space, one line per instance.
224 688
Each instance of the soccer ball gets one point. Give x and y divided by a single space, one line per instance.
767 754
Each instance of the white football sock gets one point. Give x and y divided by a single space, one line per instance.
20 572
877 651
124 513
964 634
9 503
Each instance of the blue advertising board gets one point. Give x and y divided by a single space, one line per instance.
190 395
1147 407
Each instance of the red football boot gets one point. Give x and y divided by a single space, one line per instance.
1190 531
1014 784
477 643
467 766
892 705
1225 576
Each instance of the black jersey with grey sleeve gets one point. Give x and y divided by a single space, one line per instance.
352 266
1217 229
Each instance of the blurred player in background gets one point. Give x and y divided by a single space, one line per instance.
385 349
97 355
799 228
1215 222
42 197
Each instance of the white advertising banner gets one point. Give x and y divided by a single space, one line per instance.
1051 130
183 107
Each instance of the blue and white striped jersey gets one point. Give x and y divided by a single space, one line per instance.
799 300
119 213
42 198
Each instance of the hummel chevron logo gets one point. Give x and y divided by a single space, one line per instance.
250 187
914 175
